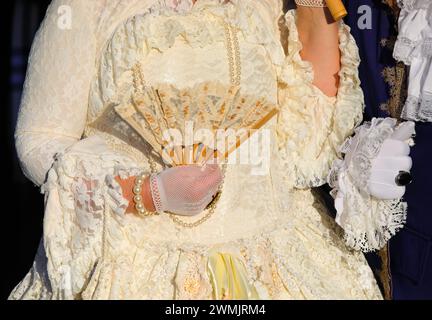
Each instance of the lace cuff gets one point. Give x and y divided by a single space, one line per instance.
80 192
414 39
368 222
418 109
312 125
418 106
414 48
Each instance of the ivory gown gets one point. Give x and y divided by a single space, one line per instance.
269 238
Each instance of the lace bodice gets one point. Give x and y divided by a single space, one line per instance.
184 45
67 129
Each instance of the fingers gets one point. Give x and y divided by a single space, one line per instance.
404 131
194 208
210 184
212 176
385 177
209 168
386 192
382 184
396 145
201 184
402 163
391 148
392 158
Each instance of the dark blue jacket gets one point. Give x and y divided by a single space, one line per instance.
405 267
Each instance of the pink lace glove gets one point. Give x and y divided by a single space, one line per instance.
185 190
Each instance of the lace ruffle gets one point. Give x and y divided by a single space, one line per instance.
414 48
257 20
80 189
414 39
163 28
413 4
309 153
418 109
160 28
368 222
406 49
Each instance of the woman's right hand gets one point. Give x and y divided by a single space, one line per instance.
187 190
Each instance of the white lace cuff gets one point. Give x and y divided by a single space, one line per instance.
414 39
368 222
418 106
414 48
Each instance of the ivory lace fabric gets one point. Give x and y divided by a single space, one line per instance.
414 48
269 237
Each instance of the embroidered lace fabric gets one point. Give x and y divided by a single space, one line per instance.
71 143
368 223
414 48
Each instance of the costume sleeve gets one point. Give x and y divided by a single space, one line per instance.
54 105
76 174
311 125
413 47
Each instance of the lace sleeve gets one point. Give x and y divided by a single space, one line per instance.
311 125
76 175
54 104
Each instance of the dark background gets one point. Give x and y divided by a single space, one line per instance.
22 203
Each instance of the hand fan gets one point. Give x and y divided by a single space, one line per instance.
195 125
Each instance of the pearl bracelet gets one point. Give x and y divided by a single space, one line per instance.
311 3
138 198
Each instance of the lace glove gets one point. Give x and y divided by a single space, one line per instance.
367 196
185 190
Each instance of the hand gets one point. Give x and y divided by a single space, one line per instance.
392 158
375 156
187 190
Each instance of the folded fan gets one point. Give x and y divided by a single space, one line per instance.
195 125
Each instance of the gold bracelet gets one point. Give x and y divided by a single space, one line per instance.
311 3
138 198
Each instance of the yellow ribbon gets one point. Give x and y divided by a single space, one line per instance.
229 278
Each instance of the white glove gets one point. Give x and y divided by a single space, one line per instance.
392 158
373 170
187 190
367 197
